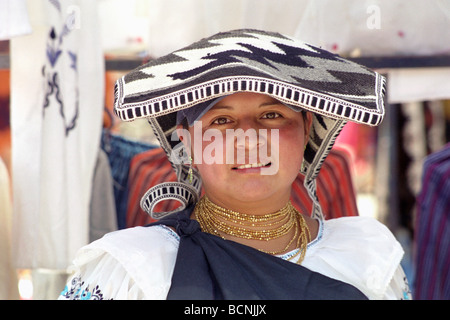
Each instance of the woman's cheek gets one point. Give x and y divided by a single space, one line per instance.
291 146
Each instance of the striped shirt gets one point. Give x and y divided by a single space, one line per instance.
432 229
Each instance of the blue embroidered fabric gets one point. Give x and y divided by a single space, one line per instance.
76 291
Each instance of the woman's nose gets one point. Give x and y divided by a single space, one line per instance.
250 138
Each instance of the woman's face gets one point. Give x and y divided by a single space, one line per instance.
250 150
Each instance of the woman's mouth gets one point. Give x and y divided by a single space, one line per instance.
252 166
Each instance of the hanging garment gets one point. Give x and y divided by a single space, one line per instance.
57 93
14 19
103 215
120 152
432 229
334 186
8 278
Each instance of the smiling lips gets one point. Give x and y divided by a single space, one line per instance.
252 165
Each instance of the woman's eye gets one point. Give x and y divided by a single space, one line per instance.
220 121
271 115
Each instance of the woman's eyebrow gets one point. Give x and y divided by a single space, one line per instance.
271 103
221 107
264 104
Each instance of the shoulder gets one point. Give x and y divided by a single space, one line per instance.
143 257
367 230
358 250
133 242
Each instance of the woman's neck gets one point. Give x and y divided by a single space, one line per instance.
245 205
227 223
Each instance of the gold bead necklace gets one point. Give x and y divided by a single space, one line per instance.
219 221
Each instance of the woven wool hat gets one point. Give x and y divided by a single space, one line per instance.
297 74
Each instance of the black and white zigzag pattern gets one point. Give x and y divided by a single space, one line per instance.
249 60
334 89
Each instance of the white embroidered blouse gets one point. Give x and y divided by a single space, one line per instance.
137 263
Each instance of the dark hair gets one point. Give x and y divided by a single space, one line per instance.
304 112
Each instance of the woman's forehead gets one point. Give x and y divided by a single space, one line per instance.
239 98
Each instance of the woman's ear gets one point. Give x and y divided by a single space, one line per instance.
184 136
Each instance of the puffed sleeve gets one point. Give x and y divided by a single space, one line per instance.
102 278
360 251
129 264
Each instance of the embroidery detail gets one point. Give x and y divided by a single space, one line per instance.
171 233
78 291
407 295
50 71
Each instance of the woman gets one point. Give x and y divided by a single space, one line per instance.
251 109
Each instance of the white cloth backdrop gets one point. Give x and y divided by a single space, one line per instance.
378 27
13 19
419 84
57 94
174 23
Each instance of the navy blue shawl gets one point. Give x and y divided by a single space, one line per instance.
210 268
